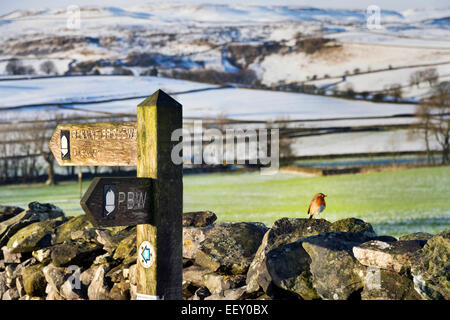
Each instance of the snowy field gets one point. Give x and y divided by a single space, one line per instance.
213 102
348 57
361 142
208 101
378 81
85 89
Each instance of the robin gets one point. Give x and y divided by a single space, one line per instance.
317 205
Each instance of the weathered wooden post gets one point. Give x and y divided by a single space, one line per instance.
153 201
157 117
80 181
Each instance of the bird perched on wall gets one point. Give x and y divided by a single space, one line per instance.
317 205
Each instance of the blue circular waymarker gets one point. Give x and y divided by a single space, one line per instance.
146 254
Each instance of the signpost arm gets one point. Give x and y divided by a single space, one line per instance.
157 117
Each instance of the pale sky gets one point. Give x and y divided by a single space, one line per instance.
7 6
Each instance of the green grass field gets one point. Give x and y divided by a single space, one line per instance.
395 202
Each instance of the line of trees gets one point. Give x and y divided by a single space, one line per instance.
429 75
16 67
24 151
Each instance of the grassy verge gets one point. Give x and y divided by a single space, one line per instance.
395 202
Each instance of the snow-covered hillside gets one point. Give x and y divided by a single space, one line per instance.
280 44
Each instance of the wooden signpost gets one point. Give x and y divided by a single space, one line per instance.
157 117
153 201
95 144
113 202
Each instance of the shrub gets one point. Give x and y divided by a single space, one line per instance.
379 96
321 91
122 71
153 72
365 94
141 59
15 67
48 67
311 45
216 77
242 55
308 88
349 90
84 67
395 90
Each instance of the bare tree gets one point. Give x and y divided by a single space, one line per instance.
41 133
285 140
423 112
13 67
441 101
435 115
415 78
4 174
48 67
430 75
395 90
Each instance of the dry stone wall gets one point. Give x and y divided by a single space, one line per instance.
46 255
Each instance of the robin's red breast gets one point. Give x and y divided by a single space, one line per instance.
317 205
